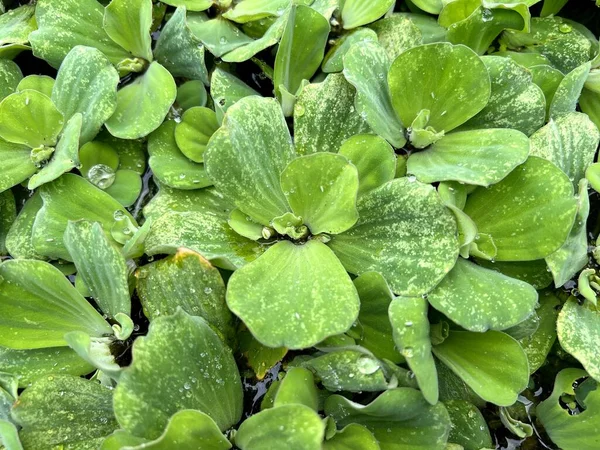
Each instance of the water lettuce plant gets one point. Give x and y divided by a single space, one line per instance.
303 224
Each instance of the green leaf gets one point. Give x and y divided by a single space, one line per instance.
398 418
70 197
39 305
333 61
565 262
349 369
252 10
188 281
352 437
366 68
9 436
16 165
288 426
451 82
405 232
373 330
552 7
260 358
66 24
177 49
430 6
548 79
18 239
294 296
570 431
297 388
566 96
192 134
577 328
479 157
8 214
10 76
356 12
95 352
64 411
169 165
324 116
41 83
30 118
565 47
192 5
321 188
93 94
515 101
301 48
480 299
187 430
570 142
373 158
528 214
268 39
538 345
202 232
191 93
143 104
247 170
180 364
408 316
226 89
101 266
493 364
94 153
218 35
128 24
16 24
65 157
399 31
126 187
469 427
32 364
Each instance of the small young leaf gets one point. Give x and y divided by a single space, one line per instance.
192 134
128 23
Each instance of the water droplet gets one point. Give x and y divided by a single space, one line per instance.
407 352
182 176
565 28
223 40
26 100
487 15
118 215
411 178
187 386
367 365
408 323
321 188
207 290
299 110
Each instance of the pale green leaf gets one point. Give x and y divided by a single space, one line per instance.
192 134
128 23
359 12
10 76
566 96
469 427
16 165
218 35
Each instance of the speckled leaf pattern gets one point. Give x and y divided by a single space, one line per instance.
8 214
86 83
572 256
301 48
351 370
478 157
408 316
325 199
325 116
450 81
334 59
493 364
18 239
288 426
178 51
515 101
71 197
373 330
218 35
10 76
180 364
404 232
31 364
547 78
16 24
529 214
66 24
399 32
101 266
192 134
374 159
30 118
226 89
188 281
248 171
578 329
570 142
469 426
15 164
65 157
63 410
480 299
570 432
169 165
36 316
143 104
187 430
568 91
366 68
360 12
399 418
253 10
204 233
294 296
128 23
